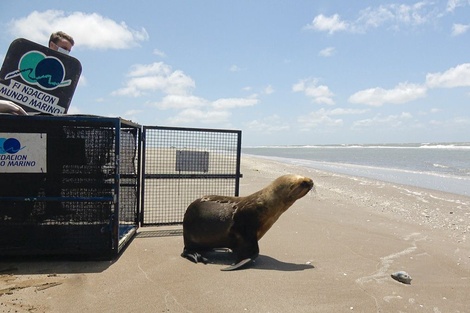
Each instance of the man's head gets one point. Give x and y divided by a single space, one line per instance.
61 42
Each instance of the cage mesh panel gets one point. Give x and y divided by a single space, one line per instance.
81 166
129 179
169 188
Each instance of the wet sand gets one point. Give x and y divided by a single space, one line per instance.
333 251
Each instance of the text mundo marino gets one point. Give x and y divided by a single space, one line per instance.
15 160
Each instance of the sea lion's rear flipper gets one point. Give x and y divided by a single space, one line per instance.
194 256
238 265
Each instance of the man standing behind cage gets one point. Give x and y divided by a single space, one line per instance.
58 41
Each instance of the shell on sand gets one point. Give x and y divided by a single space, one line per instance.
402 277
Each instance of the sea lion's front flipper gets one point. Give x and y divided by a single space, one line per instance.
194 256
238 265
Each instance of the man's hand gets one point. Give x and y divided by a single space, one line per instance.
11 107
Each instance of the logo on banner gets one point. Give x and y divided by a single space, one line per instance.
23 153
10 145
38 69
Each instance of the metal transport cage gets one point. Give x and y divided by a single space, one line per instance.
80 185
183 164
69 185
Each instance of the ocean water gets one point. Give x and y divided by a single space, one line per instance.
438 166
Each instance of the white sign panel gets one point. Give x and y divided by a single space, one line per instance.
23 153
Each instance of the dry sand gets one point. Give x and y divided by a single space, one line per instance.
332 251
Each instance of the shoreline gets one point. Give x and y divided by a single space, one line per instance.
426 180
424 207
334 250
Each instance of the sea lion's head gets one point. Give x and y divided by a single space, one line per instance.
290 187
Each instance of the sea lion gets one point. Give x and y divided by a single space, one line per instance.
238 223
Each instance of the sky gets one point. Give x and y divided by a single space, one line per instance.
283 72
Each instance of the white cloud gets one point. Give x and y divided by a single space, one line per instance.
268 124
459 29
188 116
82 81
73 110
418 13
229 103
326 118
176 89
180 102
456 124
460 121
341 111
430 111
89 30
327 52
392 16
159 53
319 119
268 90
330 24
374 17
132 112
235 68
453 4
391 121
155 77
131 115
157 68
319 94
403 92
195 109
458 76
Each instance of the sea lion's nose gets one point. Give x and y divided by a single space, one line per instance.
308 183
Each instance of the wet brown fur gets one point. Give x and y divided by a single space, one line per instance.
238 223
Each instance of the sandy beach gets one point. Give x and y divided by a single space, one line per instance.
333 251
